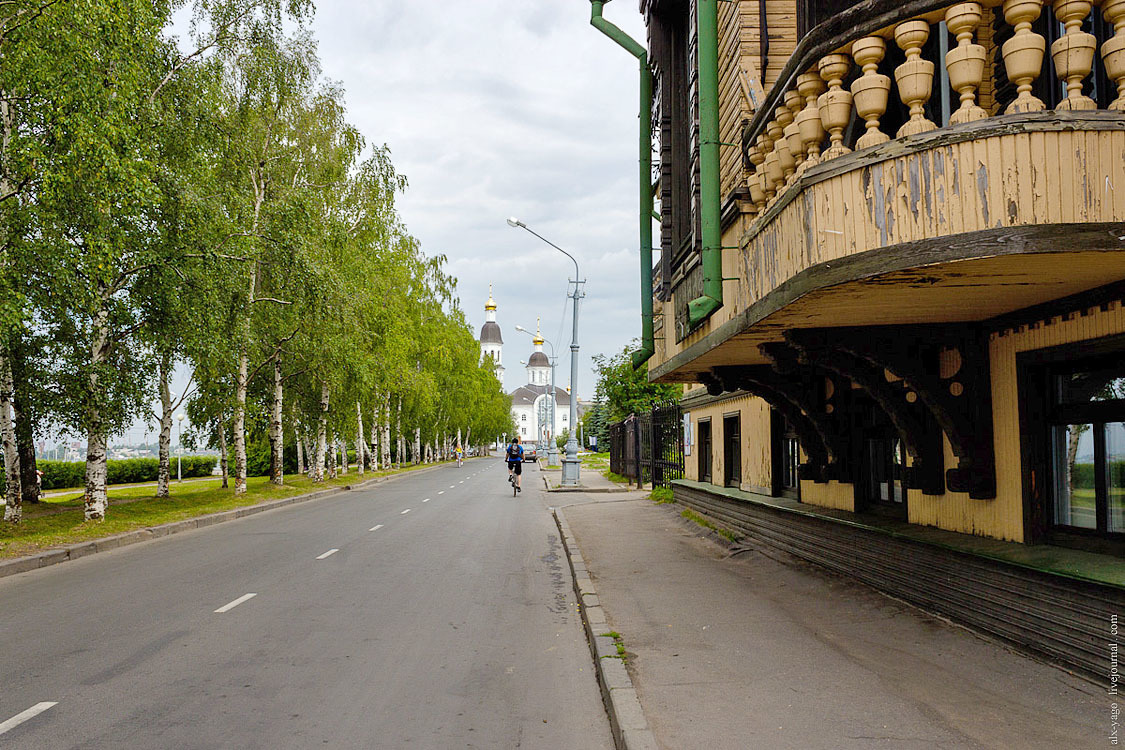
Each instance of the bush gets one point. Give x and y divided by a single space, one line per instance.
66 474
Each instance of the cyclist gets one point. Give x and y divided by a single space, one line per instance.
460 455
515 462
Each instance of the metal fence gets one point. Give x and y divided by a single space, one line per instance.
649 447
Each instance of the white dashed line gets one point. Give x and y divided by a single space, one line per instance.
23 716
426 500
329 553
461 482
235 603
452 486
376 527
405 512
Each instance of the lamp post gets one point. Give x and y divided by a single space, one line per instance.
552 449
571 464
179 446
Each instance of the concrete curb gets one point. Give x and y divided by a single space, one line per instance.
93 546
626 717
547 486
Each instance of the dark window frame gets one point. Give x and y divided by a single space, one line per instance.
706 462
732 450
1036 373
785 454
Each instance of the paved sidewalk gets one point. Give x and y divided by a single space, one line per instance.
590 481
751 648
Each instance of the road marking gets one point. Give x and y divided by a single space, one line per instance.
376 527
329 553
461 482
452 486
23 716
235 603
426 500
405 512
441 492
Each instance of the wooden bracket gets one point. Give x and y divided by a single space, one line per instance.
794 400
941 368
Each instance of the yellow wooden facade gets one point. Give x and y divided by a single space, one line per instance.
999 211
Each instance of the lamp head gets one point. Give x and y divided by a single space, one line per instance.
521 328
514 222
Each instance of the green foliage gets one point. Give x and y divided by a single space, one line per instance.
1082 475
67 474
661 495
625 391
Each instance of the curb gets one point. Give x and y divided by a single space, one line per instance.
626 717
547 486
93 546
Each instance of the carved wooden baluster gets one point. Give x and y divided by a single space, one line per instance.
765 148
1113 49
794 102
1023 53
753 181
810 85
915 77
774 171
835 104
781 143
872 89
1073 52
965 62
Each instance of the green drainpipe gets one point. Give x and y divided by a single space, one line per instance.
645 146
700 308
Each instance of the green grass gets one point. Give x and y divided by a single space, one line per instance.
696 518
617 641
616 478
661 495
59 520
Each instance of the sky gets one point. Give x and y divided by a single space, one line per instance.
494 109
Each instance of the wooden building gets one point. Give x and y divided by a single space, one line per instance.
892 270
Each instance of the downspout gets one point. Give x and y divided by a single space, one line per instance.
645 166
700 308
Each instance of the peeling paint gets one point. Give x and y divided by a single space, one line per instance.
915 186
982 189
879 209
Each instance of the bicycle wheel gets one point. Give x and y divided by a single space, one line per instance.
515 489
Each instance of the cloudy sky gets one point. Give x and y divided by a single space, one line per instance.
497 108
493 109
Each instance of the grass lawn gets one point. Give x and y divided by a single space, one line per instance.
59 520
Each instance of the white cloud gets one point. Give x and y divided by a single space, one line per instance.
494 109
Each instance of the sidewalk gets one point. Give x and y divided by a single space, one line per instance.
734 647
589 481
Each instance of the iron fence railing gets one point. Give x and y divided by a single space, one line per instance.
649 447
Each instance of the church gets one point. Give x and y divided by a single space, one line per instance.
532 402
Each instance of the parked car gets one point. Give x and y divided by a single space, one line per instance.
529 454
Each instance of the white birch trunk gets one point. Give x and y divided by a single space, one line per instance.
13 491
400 440
360 445
417 445
239 426
343 445
164 472
385 443
277 436
96 500
373 455
332 458
223 450
321 435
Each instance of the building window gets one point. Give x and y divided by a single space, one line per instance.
1087 447
886 474
523 417
732 451
704 450
523 430
786 457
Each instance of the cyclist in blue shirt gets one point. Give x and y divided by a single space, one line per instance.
515 462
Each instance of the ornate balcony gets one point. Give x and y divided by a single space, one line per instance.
922 162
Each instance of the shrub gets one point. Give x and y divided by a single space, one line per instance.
66 474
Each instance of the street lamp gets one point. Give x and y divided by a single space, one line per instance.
180 446
571 465
552 449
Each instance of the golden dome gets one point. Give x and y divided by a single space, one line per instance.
491 304
538 340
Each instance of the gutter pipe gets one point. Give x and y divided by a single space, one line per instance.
700 308
645 167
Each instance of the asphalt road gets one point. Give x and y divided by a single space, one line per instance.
432 611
